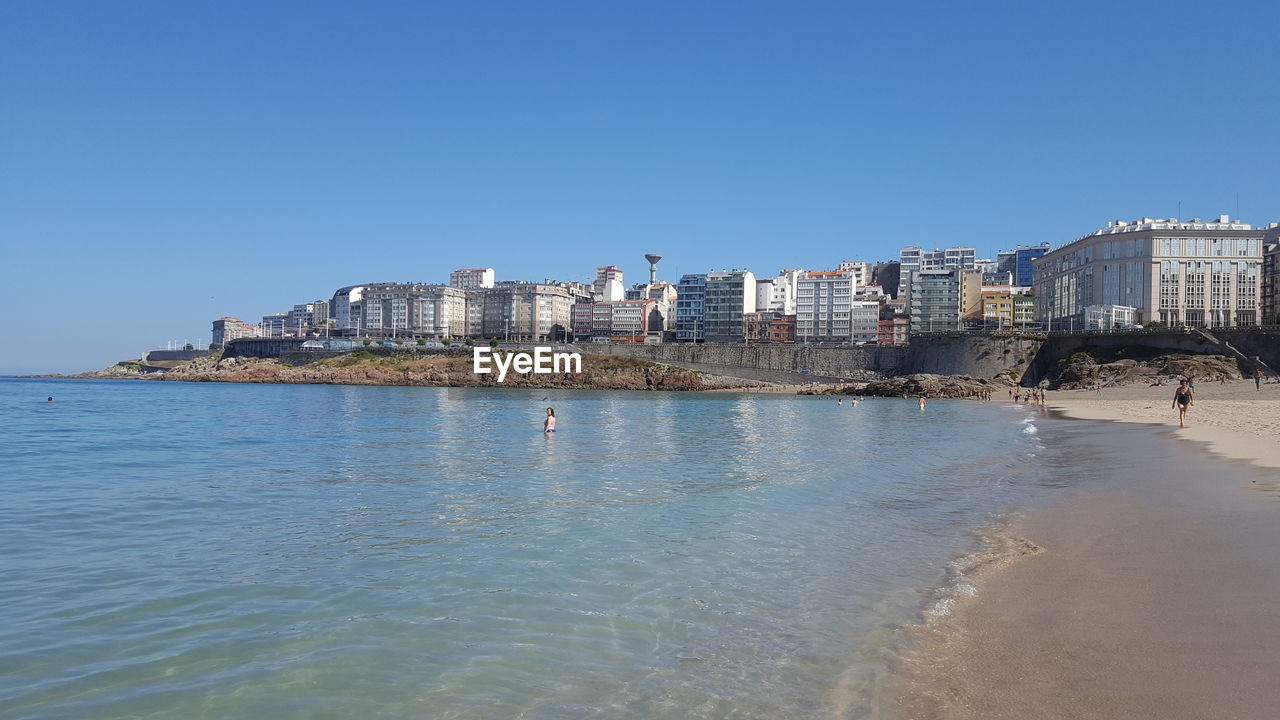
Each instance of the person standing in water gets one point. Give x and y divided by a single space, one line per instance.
549 425
922 402
1182 400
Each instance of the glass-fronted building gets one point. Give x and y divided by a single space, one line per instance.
691 296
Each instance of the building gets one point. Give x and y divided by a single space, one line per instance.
691 308
894 329
861 271
321 316
1271 276
608 286
1108 317
631 321
345 308
729 295
1197 273
769 327
527 312
823 300
1024 263
914 258
887 275
471 278
1007 307
944 299
413 310
299 319
274 325
226 329
1007 262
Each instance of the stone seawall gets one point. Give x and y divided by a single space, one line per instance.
786 363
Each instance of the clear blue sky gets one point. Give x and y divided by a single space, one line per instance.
166 163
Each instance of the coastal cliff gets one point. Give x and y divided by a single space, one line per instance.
363 368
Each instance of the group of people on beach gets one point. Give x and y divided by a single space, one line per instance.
1029 396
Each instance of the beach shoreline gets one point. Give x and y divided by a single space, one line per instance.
1149 587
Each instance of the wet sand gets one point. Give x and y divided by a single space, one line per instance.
1154 595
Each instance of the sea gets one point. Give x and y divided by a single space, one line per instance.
207 550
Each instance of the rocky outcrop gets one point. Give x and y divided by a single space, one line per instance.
600 373
926 385
1088 370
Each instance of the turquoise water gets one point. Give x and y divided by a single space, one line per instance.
275 551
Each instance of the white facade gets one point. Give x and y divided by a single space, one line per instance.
345 306
777 294
1176 272
861 271
471 278
823 306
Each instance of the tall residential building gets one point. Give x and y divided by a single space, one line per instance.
227 329
914 258
527 312
823 299
944 299
777 294
861 271
1007 262
413 309
345 307
471 278
1271 276
1024 262
608 285
299 319
1198 273
691 308
728 295
321 313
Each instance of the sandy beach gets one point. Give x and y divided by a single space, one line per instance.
1147 590
1235 420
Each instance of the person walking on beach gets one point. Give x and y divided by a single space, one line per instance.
549 425
1257 380
1181 401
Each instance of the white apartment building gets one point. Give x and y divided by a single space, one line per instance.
861 271
777 294
823 305
471 278
413 310
1198 273
345 307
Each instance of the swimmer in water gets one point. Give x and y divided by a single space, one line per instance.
549 425
49 400
840 401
